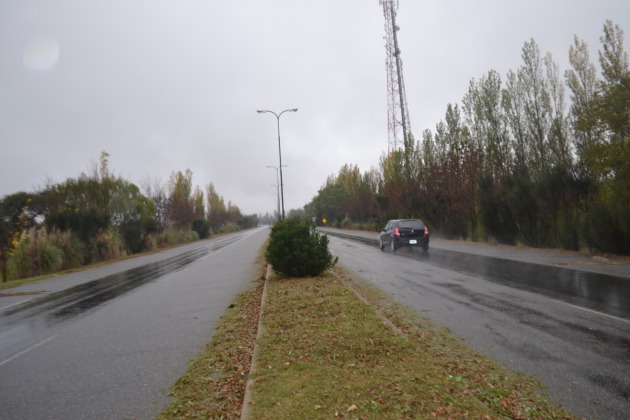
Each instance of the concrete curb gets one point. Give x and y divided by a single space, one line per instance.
247 398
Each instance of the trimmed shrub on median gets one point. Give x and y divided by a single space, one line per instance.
296 249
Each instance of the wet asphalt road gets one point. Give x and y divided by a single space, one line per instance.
521 308
108 343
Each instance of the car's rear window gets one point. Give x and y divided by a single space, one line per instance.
411 224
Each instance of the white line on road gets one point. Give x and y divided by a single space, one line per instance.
41 343
13 304
591 310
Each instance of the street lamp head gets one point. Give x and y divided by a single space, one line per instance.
262 111
279 168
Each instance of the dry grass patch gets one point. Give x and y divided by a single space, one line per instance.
325 353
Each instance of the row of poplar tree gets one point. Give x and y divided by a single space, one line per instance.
99 216
514 162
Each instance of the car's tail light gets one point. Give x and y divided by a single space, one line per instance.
397 232
426 230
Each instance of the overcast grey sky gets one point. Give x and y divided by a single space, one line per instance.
165 85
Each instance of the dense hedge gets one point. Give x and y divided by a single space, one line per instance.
296 249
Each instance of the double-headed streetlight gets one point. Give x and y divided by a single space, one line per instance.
279 149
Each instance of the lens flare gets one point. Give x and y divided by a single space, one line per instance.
41 53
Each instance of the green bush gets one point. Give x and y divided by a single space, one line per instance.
202 227
371 225
133 233
296 249
171 237
86 224
18 264
108 246
37 254
51 258
229 228
610 226
152 242
191 236
74 251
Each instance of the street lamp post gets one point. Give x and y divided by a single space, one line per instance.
279 149
277 187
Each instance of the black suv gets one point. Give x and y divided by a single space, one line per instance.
407 232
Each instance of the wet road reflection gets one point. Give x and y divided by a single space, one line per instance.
44 312
601 292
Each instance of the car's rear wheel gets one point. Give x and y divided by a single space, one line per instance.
392 245
380 244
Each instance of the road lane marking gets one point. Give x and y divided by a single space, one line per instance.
16 303
41 343
593 311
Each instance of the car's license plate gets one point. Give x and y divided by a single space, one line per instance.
412 241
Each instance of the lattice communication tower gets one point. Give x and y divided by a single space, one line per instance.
397 114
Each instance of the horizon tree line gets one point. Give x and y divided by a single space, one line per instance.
98 216
537 157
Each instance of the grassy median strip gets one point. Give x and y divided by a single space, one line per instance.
326 353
